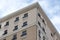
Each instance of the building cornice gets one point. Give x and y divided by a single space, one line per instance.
35 5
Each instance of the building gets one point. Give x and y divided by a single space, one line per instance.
29 23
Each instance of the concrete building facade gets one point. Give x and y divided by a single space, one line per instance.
29 23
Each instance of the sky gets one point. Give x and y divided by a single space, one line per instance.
50 7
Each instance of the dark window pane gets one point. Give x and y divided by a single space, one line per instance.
43 30
17 19
39 15
25 15
7 23
24 24
14 37
51 34
24 33
39 24
43 37
43 21
5 32
0 26
39 34
16 27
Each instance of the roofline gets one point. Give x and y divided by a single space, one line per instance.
34 5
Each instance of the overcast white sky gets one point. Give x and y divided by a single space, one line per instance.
51 8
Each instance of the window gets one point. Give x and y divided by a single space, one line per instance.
7 23
39 15
52 34
5 32
24 24
43 30
39 33
25 15
14 37
17 19
39 24
43 21
24 33
0 26
15 28
43 37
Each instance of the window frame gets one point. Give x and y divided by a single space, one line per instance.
5 32
15 27
16 19
7 23
24 24
14 37
0 26
25 15
24 33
